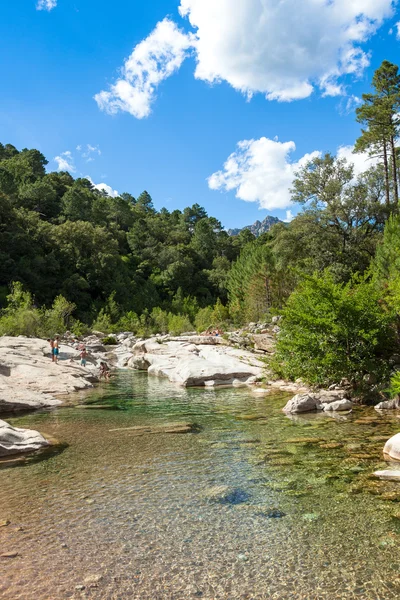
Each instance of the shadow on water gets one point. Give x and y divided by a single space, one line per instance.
28 459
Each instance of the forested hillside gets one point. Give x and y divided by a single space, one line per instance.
71 256
60 235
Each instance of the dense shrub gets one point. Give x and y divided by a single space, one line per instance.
331 330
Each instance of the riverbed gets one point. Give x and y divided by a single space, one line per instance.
253 505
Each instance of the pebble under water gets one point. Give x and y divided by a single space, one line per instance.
253 505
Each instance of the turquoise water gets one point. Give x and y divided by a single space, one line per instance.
254 505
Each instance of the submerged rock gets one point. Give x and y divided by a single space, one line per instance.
224 494
165 428
14 440
388 474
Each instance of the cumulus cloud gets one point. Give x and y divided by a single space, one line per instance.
283 49
46 4
361 161
261 171
152 61
65 162
103 187
398 30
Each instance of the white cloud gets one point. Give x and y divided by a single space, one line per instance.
104 187
46 4
361 161
88 151
283 49
261 171
153 60
397 25
65 162
289 216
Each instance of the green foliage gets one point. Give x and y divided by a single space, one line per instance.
110 340
394 388
341 223
58 317
21 317
178 324
204 319
331 330
254 284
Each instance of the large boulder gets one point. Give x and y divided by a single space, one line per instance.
303 403
14 440
188 364
393 404
392 447
264 342
29 379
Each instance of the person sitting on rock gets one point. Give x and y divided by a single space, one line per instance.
104 370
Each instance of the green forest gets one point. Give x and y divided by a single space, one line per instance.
72 257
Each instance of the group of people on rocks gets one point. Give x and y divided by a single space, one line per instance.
83 354
213 332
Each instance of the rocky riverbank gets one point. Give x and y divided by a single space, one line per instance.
29 380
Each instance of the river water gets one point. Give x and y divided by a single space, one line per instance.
252 506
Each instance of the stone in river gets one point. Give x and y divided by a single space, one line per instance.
392 447
339 405
14 440
302 403
388 474
165 428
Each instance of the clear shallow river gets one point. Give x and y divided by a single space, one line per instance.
139 517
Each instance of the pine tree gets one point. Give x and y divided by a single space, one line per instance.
380 114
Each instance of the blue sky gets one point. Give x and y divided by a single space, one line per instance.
169 119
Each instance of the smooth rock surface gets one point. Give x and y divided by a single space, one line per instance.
338 405
393 404
29 379
303 403
188 364
14 440
392 447
388 474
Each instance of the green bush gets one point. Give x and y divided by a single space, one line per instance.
21 317
178 324
110 340
103 322
330 331
394 389
204 319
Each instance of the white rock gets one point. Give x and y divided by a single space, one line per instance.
388 474
189 364
29 379
303 403
392 447
14 440
338 405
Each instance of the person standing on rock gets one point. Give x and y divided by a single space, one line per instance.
83 356
51 342
56 348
